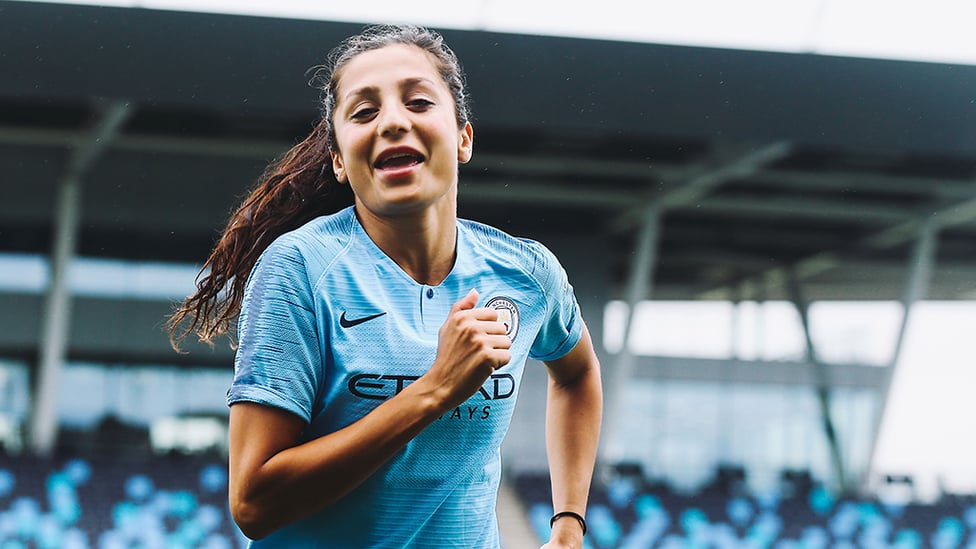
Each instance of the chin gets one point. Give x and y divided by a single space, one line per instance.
413 202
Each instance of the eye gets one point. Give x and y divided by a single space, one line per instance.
420 103
362 113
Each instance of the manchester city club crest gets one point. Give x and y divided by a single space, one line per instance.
507 314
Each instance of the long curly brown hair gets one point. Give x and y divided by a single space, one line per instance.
295 188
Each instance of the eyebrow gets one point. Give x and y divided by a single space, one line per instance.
406 83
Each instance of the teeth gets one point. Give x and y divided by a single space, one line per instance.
398 157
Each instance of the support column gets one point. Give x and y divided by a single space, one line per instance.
823 385
762 291
741 294
639 288
916 287
57 311
56 321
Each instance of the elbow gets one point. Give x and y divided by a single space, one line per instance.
258 515
252 521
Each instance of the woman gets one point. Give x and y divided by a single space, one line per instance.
381 346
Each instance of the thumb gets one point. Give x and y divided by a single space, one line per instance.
467 302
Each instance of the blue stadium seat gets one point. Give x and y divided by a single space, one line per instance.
7 483
908 539
603 526
647 531
814 537
948 534
739 511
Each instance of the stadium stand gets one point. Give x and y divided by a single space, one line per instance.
634 512
179 502
164 502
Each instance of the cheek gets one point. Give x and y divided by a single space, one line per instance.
347 136
351 156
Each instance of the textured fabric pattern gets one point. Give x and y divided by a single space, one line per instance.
331 327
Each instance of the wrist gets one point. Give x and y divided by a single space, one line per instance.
571 516
568 522
566 535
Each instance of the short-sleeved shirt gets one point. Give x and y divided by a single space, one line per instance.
331 327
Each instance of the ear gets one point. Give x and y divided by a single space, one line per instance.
466 143
337 168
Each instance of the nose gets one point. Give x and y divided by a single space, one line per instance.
393 120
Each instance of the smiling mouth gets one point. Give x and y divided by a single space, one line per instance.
399 160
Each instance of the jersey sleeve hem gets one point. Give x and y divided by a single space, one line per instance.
261 395
567 344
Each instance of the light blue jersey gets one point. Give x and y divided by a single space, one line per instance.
331 327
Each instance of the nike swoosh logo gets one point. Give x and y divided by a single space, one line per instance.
350 322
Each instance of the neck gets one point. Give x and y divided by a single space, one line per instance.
423 244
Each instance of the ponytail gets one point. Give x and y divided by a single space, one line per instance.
293 190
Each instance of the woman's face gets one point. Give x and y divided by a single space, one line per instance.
397 140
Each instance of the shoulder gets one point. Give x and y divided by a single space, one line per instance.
533 256
313 246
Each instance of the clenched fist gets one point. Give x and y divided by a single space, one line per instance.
471 345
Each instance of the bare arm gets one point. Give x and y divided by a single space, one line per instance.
274 481
573 414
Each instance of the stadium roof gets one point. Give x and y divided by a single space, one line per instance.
937 31
757 161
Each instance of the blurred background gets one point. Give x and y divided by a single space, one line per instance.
767 210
